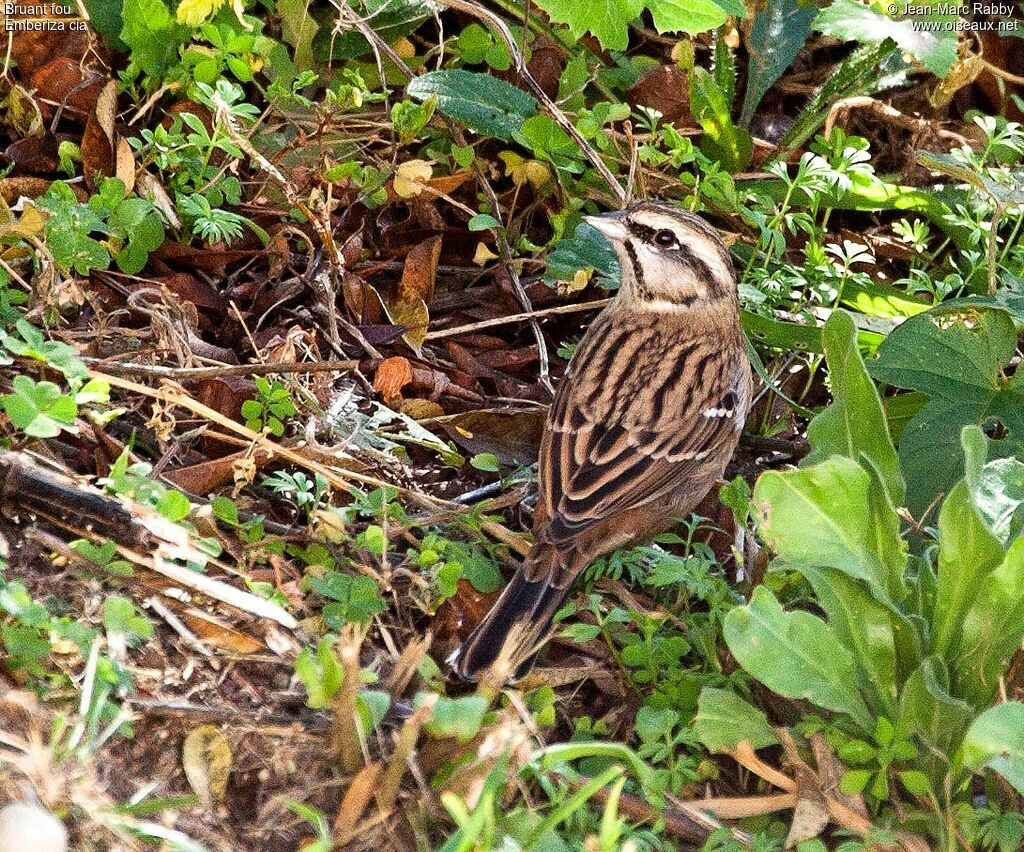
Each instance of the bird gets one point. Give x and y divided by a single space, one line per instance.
642 425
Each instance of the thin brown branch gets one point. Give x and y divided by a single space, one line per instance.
183 374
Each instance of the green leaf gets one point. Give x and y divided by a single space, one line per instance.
795 654
173 505
686 16
481 102
968 553
850 20
992 629
482 222
779 32
151 33
607 20
548 142
855 422
454 717
298 28
487 462
120 616
724 720
321 673
106 18
869 629
854 781
356 598
929 710
997 488
722 139
390 19
822 516
585 249
915 782
39 409
996 741
956 356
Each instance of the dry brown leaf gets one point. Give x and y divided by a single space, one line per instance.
410 177
810 816
34 153
666 89
206 759
447 184
392 375
124 167
99 145
13 188
219 634
415 290
512 437
357 797
149 186
420 271
421 409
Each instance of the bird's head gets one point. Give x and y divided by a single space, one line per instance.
671 259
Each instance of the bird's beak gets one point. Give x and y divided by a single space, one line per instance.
612 226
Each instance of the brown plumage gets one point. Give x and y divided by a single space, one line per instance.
643 424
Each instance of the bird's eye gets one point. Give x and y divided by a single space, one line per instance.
665 238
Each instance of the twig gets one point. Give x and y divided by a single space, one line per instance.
178 626
323 232
182 374
339 478
504 249
549 105
514 318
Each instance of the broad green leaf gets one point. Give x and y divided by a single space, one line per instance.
795 654
968 553
686 16
996 741
724 720
854 423
606 20
390 19
997 488
298 28
722 139
481 102
956 356
882 300
152 34
454 717
992 629
779 32
929 710
851 20
585 250
866 627
106 18
782 335
823 516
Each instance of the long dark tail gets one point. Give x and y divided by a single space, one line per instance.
507 641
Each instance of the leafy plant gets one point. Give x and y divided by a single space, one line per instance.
130 228
901 656
270 408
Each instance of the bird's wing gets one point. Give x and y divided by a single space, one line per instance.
617 441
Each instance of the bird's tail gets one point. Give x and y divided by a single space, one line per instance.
508 639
